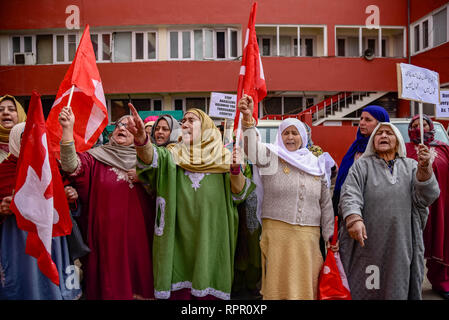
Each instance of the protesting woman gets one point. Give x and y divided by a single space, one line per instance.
11 113
384 204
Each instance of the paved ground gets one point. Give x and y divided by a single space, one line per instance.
427 292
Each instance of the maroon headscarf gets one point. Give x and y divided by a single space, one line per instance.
415 134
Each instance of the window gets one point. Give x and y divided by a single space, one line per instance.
65 47
283 41
101 43
44 49
187 103
23 49
341 47
122 46
425 31
144 46
180 44
178 104
283 105
417 37
440 27
215 44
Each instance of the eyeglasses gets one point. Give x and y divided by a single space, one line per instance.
121 124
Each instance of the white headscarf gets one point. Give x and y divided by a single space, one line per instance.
402 153
302 158
15 138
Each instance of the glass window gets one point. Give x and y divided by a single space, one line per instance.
309 47
272 105
209 44
198 43
44 46
266 47
285 43
157 105
106 46
178 104
341 52
221 53
233 43
425 34
15 44
199 103
94 40
142 104
384 48
60 48
174 45
186 44
139 46
151 45
122 46
292 105
440 27
119 108
417 38
28 42
72 46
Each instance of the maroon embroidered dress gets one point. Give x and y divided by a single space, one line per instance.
117 222
436 233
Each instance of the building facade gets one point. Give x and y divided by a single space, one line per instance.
337 56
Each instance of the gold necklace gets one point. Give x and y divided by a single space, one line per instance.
285 168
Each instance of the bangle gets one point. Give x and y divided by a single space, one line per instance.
141 145
350 224
66 143
247 124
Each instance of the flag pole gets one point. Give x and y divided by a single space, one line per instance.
421 124
70 96
224 131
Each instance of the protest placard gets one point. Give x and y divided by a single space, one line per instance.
418 84
222 105
443 108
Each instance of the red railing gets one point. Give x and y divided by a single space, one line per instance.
313 109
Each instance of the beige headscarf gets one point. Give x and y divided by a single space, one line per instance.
21 116
15 138
116 155
208 155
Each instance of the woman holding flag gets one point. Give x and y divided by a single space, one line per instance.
117 219
20 276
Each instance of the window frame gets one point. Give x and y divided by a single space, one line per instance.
420 23
180 44
66 46
22 47
145 45
100 58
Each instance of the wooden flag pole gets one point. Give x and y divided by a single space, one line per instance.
224 131
421 125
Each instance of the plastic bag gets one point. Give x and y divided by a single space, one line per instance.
332 283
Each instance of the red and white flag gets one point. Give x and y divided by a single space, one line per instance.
88 101
251 77
39 202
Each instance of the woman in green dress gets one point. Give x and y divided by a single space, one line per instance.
196 208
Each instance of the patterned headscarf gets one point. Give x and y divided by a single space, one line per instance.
415 134
174 129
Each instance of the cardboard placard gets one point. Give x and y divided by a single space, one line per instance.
418 84
222 105
443 108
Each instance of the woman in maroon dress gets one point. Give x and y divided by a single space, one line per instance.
436 233
117 219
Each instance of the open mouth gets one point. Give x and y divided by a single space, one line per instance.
121 135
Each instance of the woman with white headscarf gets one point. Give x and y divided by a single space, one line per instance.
296 203
383 205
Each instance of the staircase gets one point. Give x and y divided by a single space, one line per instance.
343 107
335 107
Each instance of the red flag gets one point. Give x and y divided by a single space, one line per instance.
251 78
39 203
88 101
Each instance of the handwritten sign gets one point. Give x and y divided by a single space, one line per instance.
222 105
443 107
418 84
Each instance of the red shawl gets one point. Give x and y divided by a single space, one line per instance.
7 176
436 233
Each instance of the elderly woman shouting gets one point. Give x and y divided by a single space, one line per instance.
296 203
117 219
384 204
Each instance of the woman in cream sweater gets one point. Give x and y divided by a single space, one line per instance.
296 203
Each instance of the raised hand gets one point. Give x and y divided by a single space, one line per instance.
246 106
67 121
4 206
136 126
